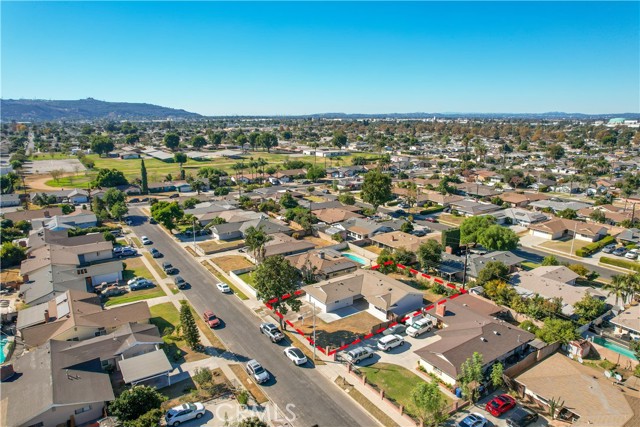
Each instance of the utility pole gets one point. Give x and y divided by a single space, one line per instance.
194 234
314 330
575 227
466 260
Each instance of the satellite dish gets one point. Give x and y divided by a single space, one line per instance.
607 374
618 377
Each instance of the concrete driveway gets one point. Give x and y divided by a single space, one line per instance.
495 421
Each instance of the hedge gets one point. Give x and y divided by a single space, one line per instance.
432 209
618 262
595 246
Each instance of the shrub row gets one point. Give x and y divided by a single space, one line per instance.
595 246
619 262
432 209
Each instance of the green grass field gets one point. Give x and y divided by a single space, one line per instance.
397 383
248 279
79 181
136 296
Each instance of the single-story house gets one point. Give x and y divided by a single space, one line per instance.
452 266
521 200
473 208
518 216
398 239
386 297
8 200
630 236
589 398
323 264
468 325
627 322
558 228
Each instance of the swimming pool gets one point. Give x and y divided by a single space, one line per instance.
614 347
3 343
355 258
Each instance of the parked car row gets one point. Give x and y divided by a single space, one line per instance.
621 251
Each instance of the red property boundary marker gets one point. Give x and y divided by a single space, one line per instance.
269 305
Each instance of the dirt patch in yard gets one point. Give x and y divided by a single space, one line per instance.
232 262
339 332
564 245
249 383
187 391
213 246
321 243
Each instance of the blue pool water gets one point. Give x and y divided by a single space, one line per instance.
355 258
3 342
614 347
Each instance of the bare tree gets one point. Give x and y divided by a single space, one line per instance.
56 174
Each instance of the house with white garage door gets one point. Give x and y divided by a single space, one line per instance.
384 296
558 228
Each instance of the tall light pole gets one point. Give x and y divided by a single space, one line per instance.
194 234
314 331
575 227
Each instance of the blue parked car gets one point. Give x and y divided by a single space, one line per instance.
141 284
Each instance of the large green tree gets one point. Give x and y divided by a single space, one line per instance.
109 178
101 144
198 141
144 183
119 210
429 403
171 141
267 140
429 254
493 270
188 326
11 255
133 403
471 376
167 213
339 139
555 330
181 159
472 227
113 196
376 188
314 173
275 277
256 239
589 308
498 238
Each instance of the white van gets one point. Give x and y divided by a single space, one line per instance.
419 327
358 354
389 342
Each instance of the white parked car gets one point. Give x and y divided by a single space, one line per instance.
419 327
295 355
183 413
135 280
223 287
632 254
389 342
255 369
145 240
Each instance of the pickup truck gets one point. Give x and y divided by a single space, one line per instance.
271 331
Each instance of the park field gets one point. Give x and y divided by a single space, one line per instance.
157 169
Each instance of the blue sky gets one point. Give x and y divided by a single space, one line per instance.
297 58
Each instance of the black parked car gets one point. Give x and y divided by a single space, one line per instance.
168 268
521 417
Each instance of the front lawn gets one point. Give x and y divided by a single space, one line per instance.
136 268
232 262
397 383
79 181
134 296
248 278
167 318
566 245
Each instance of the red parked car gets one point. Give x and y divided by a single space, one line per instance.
211 319
500 404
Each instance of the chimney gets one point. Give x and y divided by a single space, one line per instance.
441 309
448 250
321 254
46 316
6 372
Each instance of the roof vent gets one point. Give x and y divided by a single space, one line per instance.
483 339
496 332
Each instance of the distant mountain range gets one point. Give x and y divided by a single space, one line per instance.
36 110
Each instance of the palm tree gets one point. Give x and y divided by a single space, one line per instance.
619 287
255 239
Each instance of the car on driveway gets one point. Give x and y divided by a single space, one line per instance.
430 219
609 248
419 327
620 251
389 342
210 319
112 291
632 254
521 417
145 240
168 268
141 284
272 331
255 369
155 253
174 196
123 251
180 282
395 329
358 354
295 355
474 420
135 280
223 287
500 404
419 233
183 413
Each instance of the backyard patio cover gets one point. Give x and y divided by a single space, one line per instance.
145 366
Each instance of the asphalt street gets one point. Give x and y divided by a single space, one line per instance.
311 397
536 256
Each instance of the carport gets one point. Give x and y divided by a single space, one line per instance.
149 369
